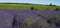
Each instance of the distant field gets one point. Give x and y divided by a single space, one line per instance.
26 7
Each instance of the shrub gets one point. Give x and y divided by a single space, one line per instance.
55 21
32 8
57 9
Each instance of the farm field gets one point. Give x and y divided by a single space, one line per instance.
29 19
29 13
27 7
21 16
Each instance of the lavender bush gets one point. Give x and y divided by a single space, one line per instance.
29 19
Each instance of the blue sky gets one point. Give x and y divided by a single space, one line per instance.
57 2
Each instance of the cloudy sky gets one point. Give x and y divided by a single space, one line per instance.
57 2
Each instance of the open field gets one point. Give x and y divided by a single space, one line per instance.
26 7
20 16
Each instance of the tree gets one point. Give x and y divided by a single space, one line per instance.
50 4
54 5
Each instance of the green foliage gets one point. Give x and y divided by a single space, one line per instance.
26 7
42 23
29 21
57 9
55 21
50 4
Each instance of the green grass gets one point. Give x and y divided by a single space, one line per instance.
26 7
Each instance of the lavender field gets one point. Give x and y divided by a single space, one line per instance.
29 19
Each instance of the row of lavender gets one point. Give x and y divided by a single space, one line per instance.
29 19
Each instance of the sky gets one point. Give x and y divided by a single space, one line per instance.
46 2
